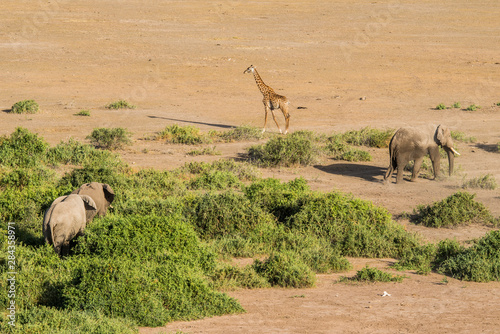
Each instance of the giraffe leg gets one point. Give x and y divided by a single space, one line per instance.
275 120
265 119
284 109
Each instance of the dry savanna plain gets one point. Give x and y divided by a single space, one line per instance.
344 65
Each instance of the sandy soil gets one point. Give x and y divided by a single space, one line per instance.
351 63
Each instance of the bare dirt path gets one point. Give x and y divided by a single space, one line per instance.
352 64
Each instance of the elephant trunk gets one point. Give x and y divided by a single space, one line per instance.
451 158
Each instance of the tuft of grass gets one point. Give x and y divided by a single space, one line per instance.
298 148
440 106
368 274
457 209
110 138
482 182
456 105
204 151
461 136
83 112
120 104
473 107
25 107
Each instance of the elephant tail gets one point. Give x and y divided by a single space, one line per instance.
393 163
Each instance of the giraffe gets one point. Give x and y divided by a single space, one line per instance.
271 100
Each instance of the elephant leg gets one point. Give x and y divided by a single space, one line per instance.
401 166
435 158
416 168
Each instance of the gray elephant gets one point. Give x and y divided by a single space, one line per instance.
413 143
101 193
66 219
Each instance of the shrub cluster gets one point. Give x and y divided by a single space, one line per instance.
110 139
457 209
483 182
120 104
298 148
158 256
25 107
368 274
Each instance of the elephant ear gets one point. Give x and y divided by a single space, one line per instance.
90 207
109 194
441 134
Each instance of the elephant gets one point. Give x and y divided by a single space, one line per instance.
66 219
413 143
101 193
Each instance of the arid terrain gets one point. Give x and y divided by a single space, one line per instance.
347 64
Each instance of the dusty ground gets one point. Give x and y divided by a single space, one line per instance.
182 62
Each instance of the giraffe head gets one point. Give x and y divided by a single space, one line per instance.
249 69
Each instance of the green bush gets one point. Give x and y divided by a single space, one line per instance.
110 139
217 215
244 171
120 104
51 320
159 279
215 180
478 263
456 105
27 177
83 112
356 155
482 182
285 269
419 258
229 277
368 274
22 149
239 133
473 107
298 148
281 199
365 137
441 106
25 107
354 227
204 151
75 153
457 209
188 135
460 136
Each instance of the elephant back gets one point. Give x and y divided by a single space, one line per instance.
102 194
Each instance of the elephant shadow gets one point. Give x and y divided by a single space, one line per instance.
488 147
365 172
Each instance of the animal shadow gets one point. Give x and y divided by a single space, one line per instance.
366 172
488 147
224 126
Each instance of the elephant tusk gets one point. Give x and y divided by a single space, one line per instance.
453 150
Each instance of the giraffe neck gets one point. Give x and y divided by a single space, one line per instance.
264 89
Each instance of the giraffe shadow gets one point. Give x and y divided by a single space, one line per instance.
224 126
365 172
